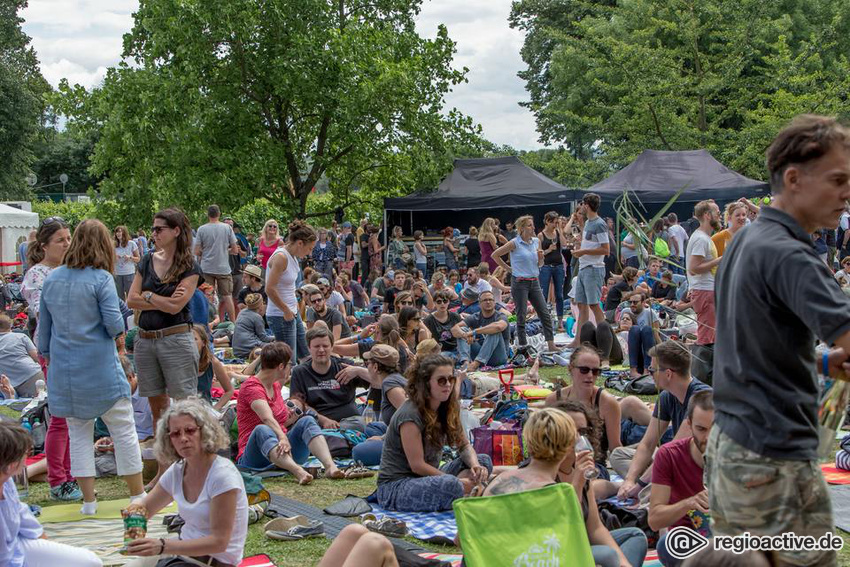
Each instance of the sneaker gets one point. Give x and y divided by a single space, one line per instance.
292 529
387 526
66 492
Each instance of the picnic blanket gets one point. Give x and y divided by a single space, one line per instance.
104 537
262 560
435 527
834 475
106 510
453 559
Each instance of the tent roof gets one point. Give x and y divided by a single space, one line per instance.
655 176
487 183
11 217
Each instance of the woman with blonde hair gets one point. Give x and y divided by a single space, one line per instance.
268 242
526 257
86 378
488 242
207 488
127 255
736 219
497 282
209 367
438 283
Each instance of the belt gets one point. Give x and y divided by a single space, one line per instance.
525 279
166 332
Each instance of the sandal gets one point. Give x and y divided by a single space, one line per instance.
387 526
357 470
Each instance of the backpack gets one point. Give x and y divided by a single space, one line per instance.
662 250
513 410
37 420
342 441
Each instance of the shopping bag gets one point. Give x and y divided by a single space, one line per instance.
509 530
504 446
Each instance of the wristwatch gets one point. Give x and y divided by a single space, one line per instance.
147 296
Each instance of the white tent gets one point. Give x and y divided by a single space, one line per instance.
15 226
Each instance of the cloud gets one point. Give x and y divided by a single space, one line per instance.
80 39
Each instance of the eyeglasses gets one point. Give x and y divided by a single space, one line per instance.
295 409
158 229
443 380
177 433
317 300
51 220
636 302
272 226
440 301
589 370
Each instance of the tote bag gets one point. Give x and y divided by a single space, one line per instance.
537 528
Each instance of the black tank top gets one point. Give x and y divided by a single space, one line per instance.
553 258
603 440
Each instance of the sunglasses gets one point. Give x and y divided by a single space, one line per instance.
589 370
443 380
317 300
177 433
295 409
158 229
635 302
441 301
272 226
51 220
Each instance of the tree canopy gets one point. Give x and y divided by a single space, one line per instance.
228 101
608 80
22 107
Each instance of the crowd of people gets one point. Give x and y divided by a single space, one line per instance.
333 330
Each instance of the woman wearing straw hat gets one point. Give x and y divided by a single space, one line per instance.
252 279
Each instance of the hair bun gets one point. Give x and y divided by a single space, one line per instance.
296 224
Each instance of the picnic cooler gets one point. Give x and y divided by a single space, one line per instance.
510 530
504 446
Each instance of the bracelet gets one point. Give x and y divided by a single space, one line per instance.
640 482
826 363
161 546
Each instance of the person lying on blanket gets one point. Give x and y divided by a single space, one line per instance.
411 479
274 431
550 436
22 539
678 496
208 489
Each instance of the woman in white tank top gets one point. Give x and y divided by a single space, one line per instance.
282 273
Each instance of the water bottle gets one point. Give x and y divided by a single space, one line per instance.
22 484
41 389
369 415
582 444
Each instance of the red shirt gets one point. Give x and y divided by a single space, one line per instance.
673 466
252 389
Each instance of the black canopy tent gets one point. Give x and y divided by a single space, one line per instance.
656 176
478 188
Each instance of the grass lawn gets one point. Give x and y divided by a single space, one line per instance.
320 493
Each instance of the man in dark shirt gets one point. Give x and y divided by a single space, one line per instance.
663 290
774 297
620 292
252 278
319 311
389 295
671 368
315 381
485 335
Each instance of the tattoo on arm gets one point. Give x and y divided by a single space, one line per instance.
508 485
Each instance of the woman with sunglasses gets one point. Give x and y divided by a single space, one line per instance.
585 367
274 432
86 378
208 489
45 254
552 241
413 330
268 242
127 255
526 256
166 356
411 479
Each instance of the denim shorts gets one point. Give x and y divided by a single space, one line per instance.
589 285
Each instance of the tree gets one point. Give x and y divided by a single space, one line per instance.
22 107
228 101
683 74
58 152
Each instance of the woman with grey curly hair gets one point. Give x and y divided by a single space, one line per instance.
208 490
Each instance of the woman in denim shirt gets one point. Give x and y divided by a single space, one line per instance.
79 322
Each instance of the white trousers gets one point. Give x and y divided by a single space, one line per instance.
122 429
46 553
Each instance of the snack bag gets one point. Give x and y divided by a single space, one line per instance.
135 524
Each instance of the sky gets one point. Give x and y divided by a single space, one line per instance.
79 39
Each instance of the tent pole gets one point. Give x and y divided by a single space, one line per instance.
386 229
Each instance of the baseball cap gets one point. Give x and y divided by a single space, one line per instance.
323 281
385 354
390 274
346 224
469 294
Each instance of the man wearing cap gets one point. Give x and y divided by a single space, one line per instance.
468 302
252 280
333 298
318 310
486 334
